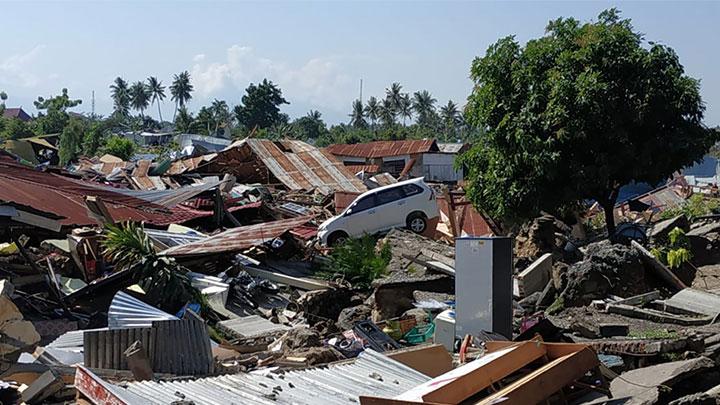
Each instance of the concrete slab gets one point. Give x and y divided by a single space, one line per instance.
536 276
251 327
697 301
642 384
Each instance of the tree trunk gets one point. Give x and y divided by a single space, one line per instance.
175 112
159 112
609 209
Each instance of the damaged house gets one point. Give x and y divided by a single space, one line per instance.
412 158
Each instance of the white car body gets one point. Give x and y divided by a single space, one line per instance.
409 203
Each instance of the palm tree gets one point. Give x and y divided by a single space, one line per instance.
450 116
394 94
139 97
220 112
314 115
180 90
120 96
405 108
424 106
357 116
158 93
372 110
387 113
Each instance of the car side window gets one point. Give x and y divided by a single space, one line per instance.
389 195
363 204
411 189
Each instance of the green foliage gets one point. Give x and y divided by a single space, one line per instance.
157 93
184 120
166 284
557 306
309 127
120 146
120 93
71 140
94 137
139 96
695 206
260 107
52 113
675 251
181 89
14 128
358 261
576 114
653 334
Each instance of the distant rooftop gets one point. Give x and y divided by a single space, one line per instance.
18 113
379 149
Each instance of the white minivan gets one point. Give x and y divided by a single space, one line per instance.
409 203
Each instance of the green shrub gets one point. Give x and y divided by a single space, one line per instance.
695 206
358 262
676 251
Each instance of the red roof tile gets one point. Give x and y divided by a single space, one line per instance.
384 148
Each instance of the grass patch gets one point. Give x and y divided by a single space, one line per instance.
653 334
358 261
557 306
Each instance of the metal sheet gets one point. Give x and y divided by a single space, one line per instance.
128 312
379 149
252 326
237 239
370 374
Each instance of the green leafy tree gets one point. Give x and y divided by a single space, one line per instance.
204 121
71 140
3 99
139 97
387 113
260 106
14 128
181 90
184 120
95 136
451 119
405 108
309 127
394 95
120 94
675 251
157 92
423 104
52 113
576 114
121 147
372 110
357 116
221 115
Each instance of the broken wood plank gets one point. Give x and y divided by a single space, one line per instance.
432 360
545 381
660 269
432 265
640 300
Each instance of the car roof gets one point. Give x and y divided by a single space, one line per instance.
398 184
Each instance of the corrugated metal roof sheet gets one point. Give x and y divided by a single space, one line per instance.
65 198
127 311
236 239
372 169
294 163
384 148
370 374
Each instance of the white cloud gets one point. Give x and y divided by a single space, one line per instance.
321 82
18 70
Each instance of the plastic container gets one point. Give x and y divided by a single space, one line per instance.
420 334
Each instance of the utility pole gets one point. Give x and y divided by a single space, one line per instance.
361 91
92 104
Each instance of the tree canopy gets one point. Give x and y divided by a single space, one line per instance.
260 107
576 114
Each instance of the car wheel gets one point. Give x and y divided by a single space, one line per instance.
417 223
337 238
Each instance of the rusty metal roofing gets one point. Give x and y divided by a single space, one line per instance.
372 169
303 167
65 198
379 149
295 164
237 239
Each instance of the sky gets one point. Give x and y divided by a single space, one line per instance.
317 52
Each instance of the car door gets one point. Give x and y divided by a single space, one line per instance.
390 208
361 216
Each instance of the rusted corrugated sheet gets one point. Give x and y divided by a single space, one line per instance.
370 169
63 197
300 166
237 239
379 149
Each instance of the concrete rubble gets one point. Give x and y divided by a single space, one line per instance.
235 300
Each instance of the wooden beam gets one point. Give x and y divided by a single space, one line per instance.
660 269
545 381
465 381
